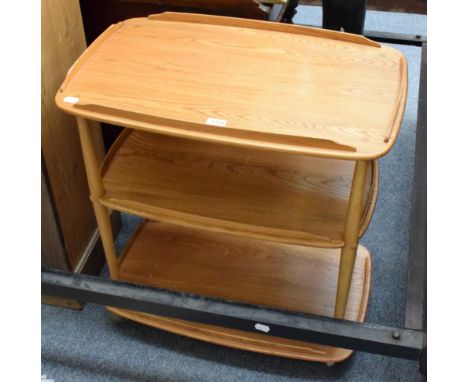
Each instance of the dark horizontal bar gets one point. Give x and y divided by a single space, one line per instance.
388 37
372 338
396 38
416 281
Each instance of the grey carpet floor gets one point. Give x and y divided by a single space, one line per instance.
87 346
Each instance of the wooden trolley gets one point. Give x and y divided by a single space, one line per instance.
250 147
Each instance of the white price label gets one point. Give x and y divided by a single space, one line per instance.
216 122
262 328
71 99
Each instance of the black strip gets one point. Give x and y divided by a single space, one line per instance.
396 38
416 282
304 327
388 37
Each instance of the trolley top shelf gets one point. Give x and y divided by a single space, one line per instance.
243 82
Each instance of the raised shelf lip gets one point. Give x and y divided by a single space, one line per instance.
262 140
183 129
233 228
217 225
267 26
187 219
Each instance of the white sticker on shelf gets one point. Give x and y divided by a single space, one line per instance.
71 99
216 122
262 328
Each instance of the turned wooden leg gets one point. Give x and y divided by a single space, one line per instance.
351 237
96 188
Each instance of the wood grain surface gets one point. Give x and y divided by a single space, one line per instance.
297 278
53 253
99 14
275 196
62 42
275 86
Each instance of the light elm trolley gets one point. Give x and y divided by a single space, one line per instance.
250 147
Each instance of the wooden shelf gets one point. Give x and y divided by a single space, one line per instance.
244 82
275 196
283 276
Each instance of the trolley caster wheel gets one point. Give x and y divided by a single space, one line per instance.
116 319
330 364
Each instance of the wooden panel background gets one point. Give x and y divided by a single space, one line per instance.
52 252
62 42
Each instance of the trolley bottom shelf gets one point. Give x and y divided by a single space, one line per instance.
297 278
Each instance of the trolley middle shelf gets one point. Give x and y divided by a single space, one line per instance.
268 195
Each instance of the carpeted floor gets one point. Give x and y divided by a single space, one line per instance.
87 346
